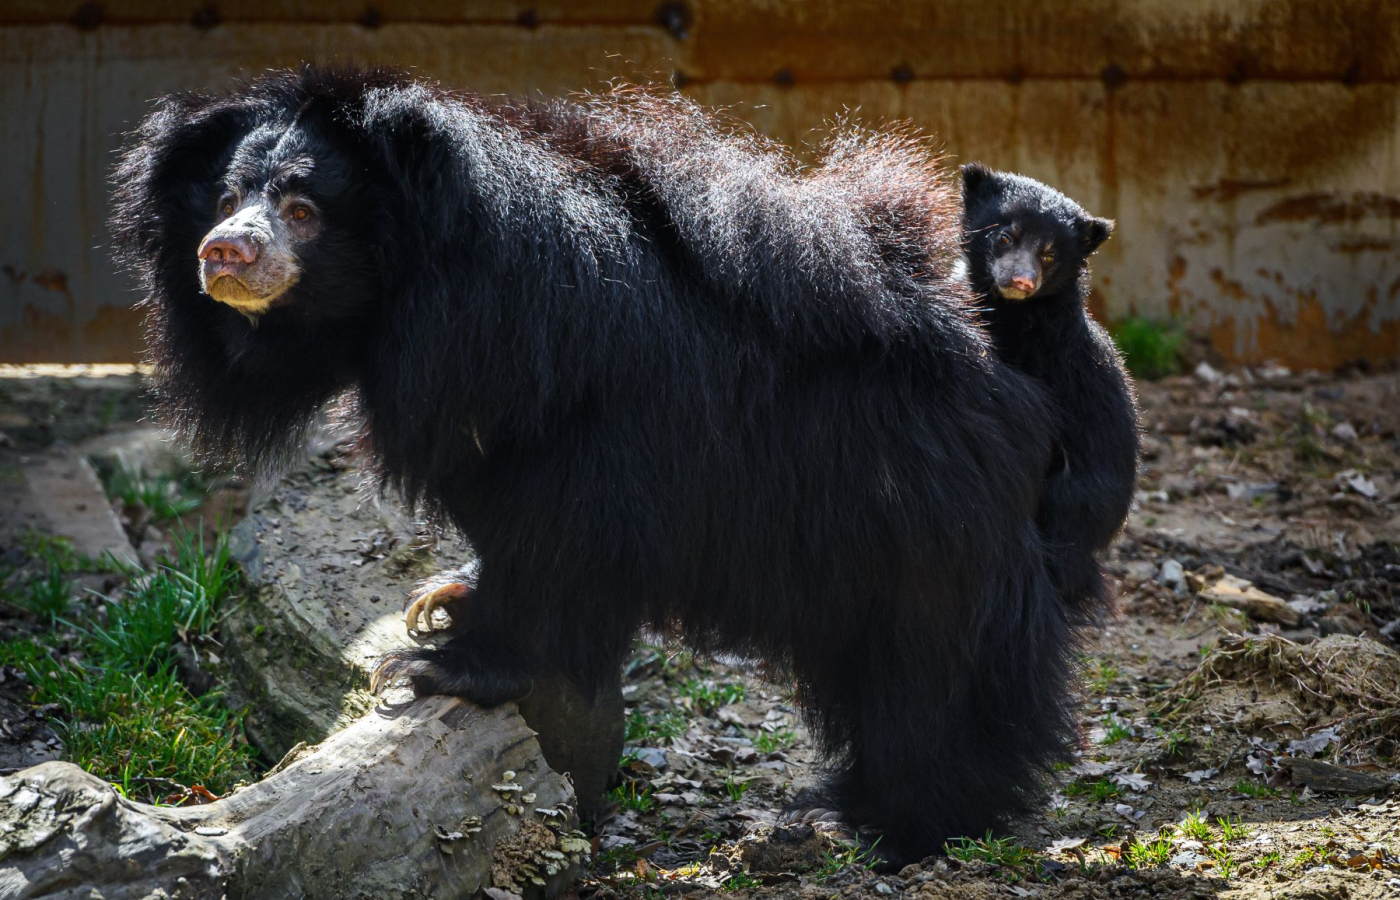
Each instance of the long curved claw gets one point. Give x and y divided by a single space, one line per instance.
420 611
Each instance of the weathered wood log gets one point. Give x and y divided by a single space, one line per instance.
436 798
1327 778
1242 595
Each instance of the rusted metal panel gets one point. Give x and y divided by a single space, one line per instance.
1353 40
1249 149
90 14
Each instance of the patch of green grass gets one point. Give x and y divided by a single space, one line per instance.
1114 730
772 741
1265 860
48 596
1314 856
735 788
56 551
166 496
651 729
1251 789
124 714
1098 791
706 695
1013 861
633 795
207 577
1315 416
182 597
1177 742
1100 673
1150 348
1225 864
619 857
140 629
1195 826
1309 451
741 881
1150 853
671 661
26 654
143 729
852 857
1232 829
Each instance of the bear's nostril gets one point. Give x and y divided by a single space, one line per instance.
230 250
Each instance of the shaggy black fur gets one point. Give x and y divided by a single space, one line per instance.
1050 336
656 372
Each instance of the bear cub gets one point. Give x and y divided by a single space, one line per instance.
1028 249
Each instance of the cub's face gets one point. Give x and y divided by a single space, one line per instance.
283 225
1024 239
1022 256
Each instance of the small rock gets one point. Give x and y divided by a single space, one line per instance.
1355 481
651 756
1172 575
1344 431
1307 606
1179 487
1207 374
1250 490
882 888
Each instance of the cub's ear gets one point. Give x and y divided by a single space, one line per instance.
975 178
1094 232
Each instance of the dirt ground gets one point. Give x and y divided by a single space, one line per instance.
1240 712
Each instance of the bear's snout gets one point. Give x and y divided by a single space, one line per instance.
228 253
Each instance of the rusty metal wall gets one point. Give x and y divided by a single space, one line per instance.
1249 149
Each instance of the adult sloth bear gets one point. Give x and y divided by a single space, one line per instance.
656 372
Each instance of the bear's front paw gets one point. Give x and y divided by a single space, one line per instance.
450 598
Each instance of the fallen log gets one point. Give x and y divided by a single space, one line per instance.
1328 778
436 798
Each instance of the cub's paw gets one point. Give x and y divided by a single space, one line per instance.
451 598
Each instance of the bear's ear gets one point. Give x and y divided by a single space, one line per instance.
168 171
1094 232
974 178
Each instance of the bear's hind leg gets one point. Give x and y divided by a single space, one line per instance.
955 733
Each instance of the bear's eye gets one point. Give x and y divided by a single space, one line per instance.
301 212
1047 257
1003 240
226 207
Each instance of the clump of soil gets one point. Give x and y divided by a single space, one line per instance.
1348 684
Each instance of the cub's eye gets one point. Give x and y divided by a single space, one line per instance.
1047 258
226 207
1003 240
301 213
